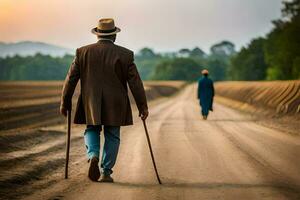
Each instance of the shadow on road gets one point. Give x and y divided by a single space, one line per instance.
232 120
293 188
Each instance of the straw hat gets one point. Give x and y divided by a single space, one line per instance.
106 27
205 71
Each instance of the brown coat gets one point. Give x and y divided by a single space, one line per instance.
104 69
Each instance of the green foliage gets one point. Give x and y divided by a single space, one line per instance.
224 48
186 64
146 53
177 69
291 9
218 61
217 69
145 60
197 52
274 57
249 63
38 67
282 50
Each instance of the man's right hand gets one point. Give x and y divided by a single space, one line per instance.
144 114
63 111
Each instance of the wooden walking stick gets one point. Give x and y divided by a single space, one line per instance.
68 142
149 144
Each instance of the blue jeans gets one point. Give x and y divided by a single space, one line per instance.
111 145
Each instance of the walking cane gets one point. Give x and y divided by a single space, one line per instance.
68 142
149 144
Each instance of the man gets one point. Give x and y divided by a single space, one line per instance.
206 93
104 69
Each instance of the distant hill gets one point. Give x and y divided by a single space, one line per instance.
26 48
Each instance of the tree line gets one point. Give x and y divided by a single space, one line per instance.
273 57
185 64
37 67
182 65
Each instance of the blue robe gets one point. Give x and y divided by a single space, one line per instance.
206 94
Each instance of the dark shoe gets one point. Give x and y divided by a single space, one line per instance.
94 172
106 179
204 117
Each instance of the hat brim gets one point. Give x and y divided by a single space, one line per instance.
94 31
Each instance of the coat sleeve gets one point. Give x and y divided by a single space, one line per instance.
198 90
70 83
212 88
136 86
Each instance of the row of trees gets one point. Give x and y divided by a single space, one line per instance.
277 56
38 67
185 64
273 57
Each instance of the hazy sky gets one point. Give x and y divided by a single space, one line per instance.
160 24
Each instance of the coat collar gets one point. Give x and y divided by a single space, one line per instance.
103 40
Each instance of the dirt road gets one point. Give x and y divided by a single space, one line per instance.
229 156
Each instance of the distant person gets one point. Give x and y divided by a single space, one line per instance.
206 93
104 69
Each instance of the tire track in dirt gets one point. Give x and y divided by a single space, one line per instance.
32 140
20 174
